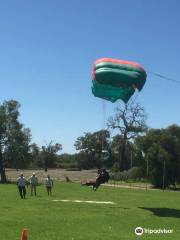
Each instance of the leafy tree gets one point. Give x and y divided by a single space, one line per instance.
14 138
49 154
158 157
17 151
129 121
35 155
68 161
161 148
116 150
94 146
135 173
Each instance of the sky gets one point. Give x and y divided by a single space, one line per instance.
47 49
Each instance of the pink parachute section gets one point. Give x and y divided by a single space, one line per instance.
120 62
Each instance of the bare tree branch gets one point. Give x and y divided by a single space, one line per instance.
130 121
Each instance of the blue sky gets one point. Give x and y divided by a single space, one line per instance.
47 49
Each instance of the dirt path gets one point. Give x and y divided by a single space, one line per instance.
130 186
74 176
56 174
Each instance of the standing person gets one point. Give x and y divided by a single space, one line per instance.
49 184
21 183
33 180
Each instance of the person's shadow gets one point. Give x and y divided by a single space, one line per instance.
164 212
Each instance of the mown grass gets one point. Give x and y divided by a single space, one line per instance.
48 220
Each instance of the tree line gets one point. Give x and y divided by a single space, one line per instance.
16 149
127 147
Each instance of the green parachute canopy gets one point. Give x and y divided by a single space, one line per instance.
117 79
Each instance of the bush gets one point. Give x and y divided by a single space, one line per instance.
136 173
119 176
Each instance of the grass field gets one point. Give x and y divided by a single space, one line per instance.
49 220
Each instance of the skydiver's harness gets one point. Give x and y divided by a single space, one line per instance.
103 177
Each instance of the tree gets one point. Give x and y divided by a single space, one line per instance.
135 173
161 148
49 153
68 161
17 151
95 146
14 138
116 148
158 158
130 123
34 153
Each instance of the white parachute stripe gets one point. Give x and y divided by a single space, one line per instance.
81 201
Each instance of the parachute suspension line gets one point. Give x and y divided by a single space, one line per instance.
135 97
104 151
103 114
103 122
164 77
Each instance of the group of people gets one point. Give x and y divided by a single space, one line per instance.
22 182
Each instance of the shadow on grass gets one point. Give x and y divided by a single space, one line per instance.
164 212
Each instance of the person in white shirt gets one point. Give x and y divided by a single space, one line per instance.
33 180
49 184
21 183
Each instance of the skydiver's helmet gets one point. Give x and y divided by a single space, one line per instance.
103 171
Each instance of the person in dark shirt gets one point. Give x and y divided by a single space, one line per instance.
21 183
102 177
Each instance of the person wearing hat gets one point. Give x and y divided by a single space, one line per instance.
49 184
33 180
21 183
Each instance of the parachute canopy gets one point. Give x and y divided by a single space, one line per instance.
117 79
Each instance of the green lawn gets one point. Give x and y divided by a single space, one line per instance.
48 220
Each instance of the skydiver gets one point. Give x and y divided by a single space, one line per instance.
102 177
